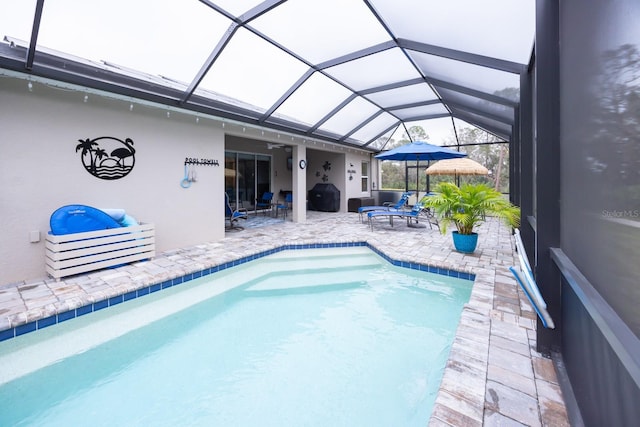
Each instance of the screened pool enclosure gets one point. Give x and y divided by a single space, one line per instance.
555 81
346 71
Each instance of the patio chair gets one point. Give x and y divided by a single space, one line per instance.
265 203
417 212
386 206
233 215
288 199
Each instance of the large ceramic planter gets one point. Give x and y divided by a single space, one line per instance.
465 243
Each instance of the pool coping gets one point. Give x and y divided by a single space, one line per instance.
22 326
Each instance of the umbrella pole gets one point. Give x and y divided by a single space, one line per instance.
418 179
406 175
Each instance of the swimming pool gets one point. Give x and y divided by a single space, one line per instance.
314 337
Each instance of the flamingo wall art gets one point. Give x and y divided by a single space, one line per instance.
107 157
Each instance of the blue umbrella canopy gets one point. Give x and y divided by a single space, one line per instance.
419 150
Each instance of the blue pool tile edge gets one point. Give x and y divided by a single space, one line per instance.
146 290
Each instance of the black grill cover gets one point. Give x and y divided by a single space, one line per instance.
325 198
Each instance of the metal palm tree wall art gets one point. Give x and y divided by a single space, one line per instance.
107 157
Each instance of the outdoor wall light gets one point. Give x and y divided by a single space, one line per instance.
30 86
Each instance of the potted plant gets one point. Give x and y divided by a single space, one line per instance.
467 206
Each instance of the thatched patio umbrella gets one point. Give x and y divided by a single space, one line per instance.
464 166
457 167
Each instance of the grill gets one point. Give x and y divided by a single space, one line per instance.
325 198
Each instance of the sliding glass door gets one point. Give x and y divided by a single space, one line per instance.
263 175
246 180
247 177
230 178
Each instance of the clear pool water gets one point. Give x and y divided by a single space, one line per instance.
321 337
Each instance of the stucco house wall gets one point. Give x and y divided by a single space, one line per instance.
41 171
42 124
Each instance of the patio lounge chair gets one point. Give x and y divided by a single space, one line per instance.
385 207
417 212
233 215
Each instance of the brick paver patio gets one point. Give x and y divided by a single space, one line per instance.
494 376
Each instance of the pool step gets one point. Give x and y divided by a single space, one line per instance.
300 290
311 261
292 261
321 253
306 264
310 280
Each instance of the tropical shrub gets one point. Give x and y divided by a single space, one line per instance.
469 205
